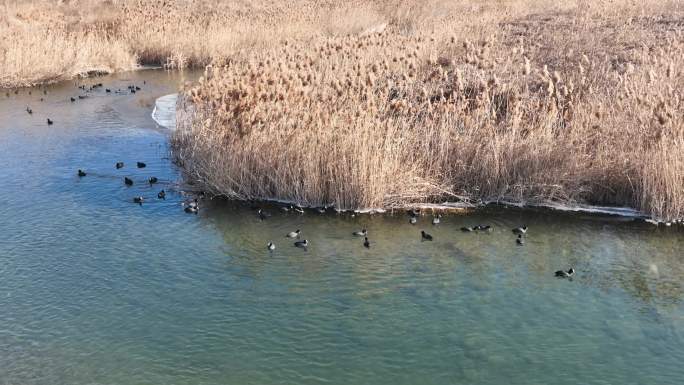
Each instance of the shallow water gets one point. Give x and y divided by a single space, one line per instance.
97 290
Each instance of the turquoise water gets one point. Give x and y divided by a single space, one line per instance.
97 290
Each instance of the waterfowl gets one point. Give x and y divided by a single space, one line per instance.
191 209
321 210
138 200
128 181
436 220
132 90
262 214
162 195
565 274
361 233
520 230
286 208
519 240
293 234
81 173
153 180
366 243
483 227
413 220
73 99
108 90
49 122
137 88
270 246
298 209
81 96
413 212
425 236
119 165
141 165
29 110
467 229
193 203
302 244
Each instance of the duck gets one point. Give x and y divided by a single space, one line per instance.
519 240
81 173
520 230
141 165
162 195
153 180
366 243
299 209
193 203
413 212
302 244
262 214
425 236
82 96
138 200
132 90
73 99
270 246
413 220
49 122
191 209
128 181
119 165
321 210
286 208
137 88
361 233
565 274
108 90
293 234
467 229
436 220
29 110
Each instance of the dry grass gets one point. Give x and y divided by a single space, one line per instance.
389 103
453 101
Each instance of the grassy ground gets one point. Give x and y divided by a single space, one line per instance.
390 103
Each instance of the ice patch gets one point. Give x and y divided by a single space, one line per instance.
164 112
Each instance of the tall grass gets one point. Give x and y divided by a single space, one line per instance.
574 104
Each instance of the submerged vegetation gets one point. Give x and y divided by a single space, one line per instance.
391 103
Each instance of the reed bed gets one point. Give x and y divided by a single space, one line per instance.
579 104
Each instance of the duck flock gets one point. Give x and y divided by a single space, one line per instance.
519 232
192 206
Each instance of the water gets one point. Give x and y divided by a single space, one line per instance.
97 290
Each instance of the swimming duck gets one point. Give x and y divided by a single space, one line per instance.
141 165
270 246
108 90
413 220
137 88
436 220
299 209
366 243
128 181
49 122
286 208
565 274
193 203
262 214
81 173
293 234
413 212
119 165
519 240
191 209
29 110
132 90
138 200
162 195
467 229
302 244
153 180
361 233
73 99
425 236
520 230
321 210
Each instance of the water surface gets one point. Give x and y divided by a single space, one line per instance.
97 290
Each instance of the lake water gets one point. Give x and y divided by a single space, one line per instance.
95 289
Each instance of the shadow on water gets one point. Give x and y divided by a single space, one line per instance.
97 289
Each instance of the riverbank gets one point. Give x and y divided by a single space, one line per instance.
579 105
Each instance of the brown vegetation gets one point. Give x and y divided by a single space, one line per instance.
391 103
477 102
